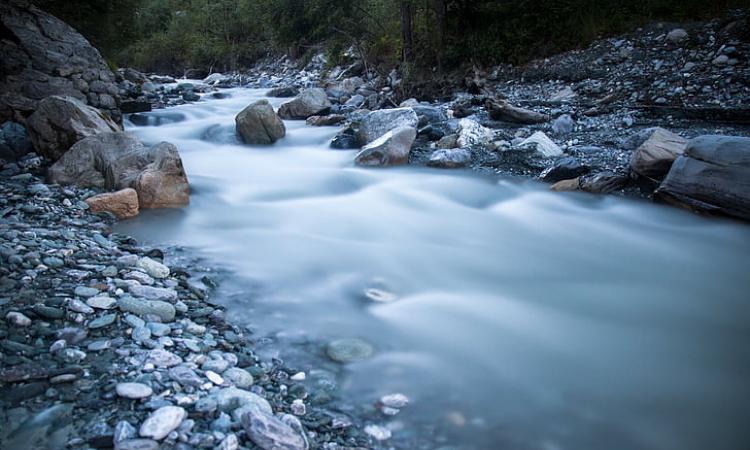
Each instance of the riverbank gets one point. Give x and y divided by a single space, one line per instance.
104 345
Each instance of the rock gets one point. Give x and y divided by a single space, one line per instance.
470 133
283 92
135 106
543 145
350 85
43 56
394 401
239 377
504 111
185 376
103 321
270 433
655 156
390 149
162 358
326 121
377 432
450 158
564 169
141 307
123 203
258 124
133 391
566 185
564 95
14 141
162 422
101 302
603 182
231 398
712 176
153 293
153 268
59 122
563 124
18 319
377 123
678 36
309 102
137 444
349 350
345 140
119 161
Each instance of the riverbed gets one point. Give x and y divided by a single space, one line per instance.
517 318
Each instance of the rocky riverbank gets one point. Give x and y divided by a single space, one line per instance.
103 344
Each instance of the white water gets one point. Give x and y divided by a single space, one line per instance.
546 320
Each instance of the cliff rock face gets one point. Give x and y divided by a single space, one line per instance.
43 56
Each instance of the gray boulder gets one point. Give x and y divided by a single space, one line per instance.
390 149
115 161
258 124
43 56
14 141
59 122
310 102
712 176
655 156
377 123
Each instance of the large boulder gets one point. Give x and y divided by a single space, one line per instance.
59 122
377 123
504 111
713 176
115 161
390 149
654 157
43 56
259 124
310 102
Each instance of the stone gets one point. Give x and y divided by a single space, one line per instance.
153 268
283 92
504 111
377 123
240 378
214 378
564 169
185 376
603 182
162 358
326 121
258 124
298 407
377 432
655 156
310 102
123 203
141 307
153 293
542 144
394 400
349 350
450 158
42 57
102 302
137 444
115 161
678 36
59 122
18 319
230 398
14 141
345 140
566 185
470 133
270 433
712 176
162 422
563 124
134 391
86 291
103 321
391 149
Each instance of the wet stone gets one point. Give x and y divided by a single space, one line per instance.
162 422
101 302
133 391
103 321
349 350
86 292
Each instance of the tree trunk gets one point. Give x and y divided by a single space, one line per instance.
406 31
440 14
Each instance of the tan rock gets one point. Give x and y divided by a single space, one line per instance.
123 204
164 183
566 185
655 156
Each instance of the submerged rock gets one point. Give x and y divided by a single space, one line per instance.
258 124
349 350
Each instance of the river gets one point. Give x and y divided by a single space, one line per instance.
521 318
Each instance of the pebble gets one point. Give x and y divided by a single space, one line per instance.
101 302
349 350
162 422
133 391
162 358
78 306
299 376
239 377
155 269
214 377
137 444
298 407
18 319
103 321
378 433
394 400
86 292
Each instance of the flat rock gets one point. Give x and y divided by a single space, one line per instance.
391 149
133 391
123 203
162 422
655 156
377 123
141 307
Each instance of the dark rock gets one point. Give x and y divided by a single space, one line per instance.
135 106
346 140
603 182
14 141
564 169
712 176
259 124
283 92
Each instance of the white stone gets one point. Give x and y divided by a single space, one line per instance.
153 268
544 145
18 319
102 302
133 391
394 400
162 422
214 377
377 432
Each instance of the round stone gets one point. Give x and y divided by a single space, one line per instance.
162 422
238 377
349 350
133 391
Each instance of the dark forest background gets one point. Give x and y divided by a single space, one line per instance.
224 35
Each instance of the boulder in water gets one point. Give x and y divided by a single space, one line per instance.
390 149
377 123
712 176
655 156
59 122
310 102
258 124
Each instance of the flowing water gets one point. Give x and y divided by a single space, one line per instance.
523 319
